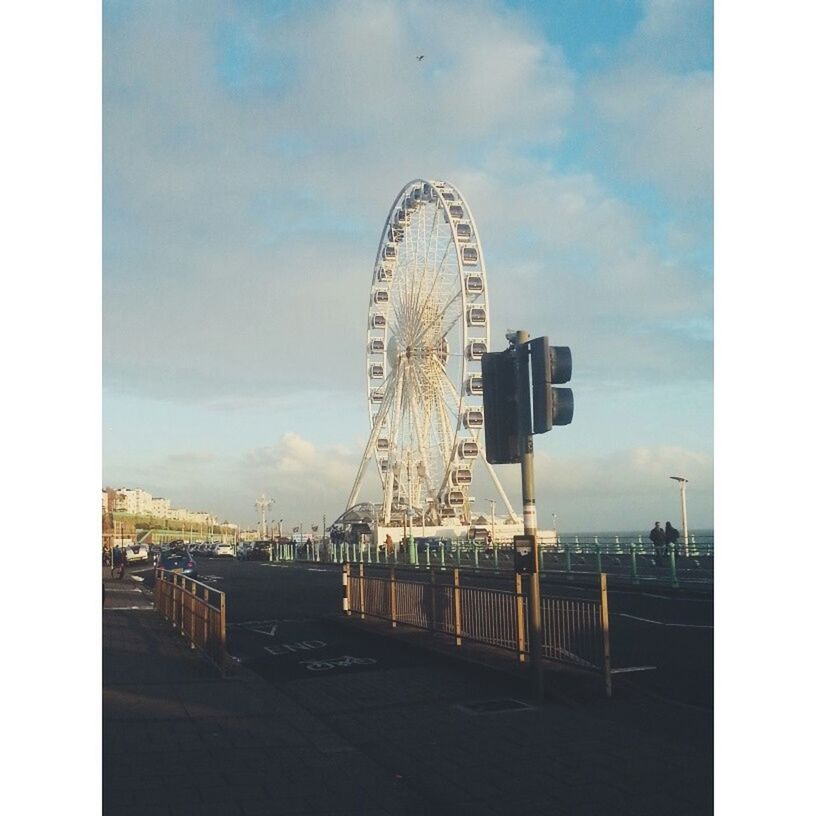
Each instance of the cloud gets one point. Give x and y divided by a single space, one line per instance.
661 128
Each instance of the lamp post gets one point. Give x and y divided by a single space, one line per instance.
683 482
555 526
263 504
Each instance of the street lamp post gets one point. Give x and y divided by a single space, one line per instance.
555 526
683 482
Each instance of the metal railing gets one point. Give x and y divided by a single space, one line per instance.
198 611
575 632
633 561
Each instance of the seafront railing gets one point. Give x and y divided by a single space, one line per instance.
634 560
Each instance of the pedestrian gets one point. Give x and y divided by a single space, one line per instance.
672 534
123 563
116 559
658 538
389 545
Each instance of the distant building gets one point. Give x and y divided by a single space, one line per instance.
159 506
135 501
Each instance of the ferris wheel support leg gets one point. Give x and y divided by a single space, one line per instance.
369 450
388 498
497 483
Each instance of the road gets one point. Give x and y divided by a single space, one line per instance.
276 628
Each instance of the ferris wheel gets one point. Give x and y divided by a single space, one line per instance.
428 327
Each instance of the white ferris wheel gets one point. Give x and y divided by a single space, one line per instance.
428 327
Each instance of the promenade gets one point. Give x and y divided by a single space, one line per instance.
408 739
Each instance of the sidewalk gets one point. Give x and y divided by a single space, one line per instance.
179 739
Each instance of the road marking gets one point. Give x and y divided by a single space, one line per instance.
122 589
119 608
664 623
670 598
290 648
149 569
136 578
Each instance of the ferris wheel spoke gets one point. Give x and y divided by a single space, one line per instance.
439 267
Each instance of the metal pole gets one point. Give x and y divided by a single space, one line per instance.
685 517
682 481
530 529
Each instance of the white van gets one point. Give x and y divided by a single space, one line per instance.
137 552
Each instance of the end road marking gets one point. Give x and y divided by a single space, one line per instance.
663 623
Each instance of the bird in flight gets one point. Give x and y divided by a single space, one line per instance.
420 58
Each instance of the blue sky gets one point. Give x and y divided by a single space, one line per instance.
251 151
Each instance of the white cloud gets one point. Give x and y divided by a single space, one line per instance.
661 128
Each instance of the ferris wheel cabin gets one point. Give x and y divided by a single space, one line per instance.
470 256
474 418
462 476
377 346
475 386
455 498
468 449
378 321
476 349
476 316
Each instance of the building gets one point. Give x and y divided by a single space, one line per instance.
159 506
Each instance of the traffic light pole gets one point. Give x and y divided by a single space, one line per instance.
530 529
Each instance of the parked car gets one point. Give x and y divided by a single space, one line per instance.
176 561
223 550
137 552
253 551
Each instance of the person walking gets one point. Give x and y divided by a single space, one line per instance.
116 560
658 538
672 534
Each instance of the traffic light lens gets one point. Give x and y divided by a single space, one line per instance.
563 406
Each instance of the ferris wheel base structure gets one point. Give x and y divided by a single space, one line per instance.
428 327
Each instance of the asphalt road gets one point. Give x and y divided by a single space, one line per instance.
276 628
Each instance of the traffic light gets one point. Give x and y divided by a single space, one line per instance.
551 365
505 419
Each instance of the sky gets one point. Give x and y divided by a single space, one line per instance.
251 151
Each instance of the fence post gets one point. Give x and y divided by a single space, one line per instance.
442 554
633 552
206 618
392 583
598 555
362 591
673 565
193 610
175 606
520 621
568 553
457 607
433 599
607 656
222 629
346 607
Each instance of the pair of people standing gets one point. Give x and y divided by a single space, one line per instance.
661 539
